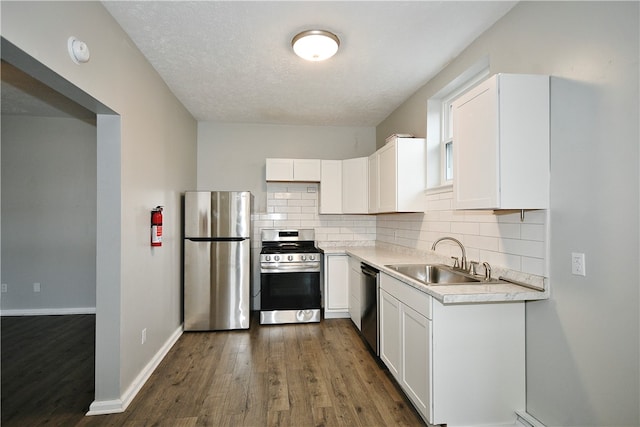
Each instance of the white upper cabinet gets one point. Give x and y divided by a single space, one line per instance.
373 183
293 170
355 186
501 144
331 187
344 186
401 176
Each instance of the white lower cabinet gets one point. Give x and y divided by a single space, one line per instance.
355 290
336 286
459 364
390 337
415 336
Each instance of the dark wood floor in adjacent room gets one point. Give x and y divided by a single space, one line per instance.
47 369
282 375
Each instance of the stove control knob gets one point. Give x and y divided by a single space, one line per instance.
267 258
303 257
290 258
276 258
312 258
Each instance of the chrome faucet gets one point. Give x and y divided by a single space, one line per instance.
463 261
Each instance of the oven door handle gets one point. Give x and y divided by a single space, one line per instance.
310 267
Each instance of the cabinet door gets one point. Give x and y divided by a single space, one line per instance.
355 188
387 178
306 170
501 144
336 283
475 150
331 187
355 289
279 170
416 358
373 183
411 157
390 334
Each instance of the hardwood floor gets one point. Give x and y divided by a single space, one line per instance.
47 369
281 375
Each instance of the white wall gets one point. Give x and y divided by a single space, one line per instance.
232 156
146 157
49 214
583 343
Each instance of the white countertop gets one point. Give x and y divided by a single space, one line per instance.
447 294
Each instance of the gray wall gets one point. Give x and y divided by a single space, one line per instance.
49 214
232 156
146 156
583 343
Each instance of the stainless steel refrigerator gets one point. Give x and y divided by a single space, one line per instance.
217 260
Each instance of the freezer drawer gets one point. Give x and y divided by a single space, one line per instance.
216 285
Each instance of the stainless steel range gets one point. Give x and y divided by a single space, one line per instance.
290 266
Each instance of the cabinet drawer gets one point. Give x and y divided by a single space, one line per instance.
406 294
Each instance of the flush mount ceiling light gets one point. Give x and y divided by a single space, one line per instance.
315 45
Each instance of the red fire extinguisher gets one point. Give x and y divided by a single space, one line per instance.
156 226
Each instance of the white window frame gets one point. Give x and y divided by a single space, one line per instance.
440 124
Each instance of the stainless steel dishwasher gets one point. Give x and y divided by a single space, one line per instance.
369 301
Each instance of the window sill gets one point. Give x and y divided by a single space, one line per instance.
439 189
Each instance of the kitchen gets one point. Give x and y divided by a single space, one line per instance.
590 47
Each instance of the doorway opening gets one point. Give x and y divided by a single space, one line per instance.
70 241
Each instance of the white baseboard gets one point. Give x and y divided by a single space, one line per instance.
337 315
528 420
102 407
47 311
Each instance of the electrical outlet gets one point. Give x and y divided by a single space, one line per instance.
144 335
577 264
5 288
36 287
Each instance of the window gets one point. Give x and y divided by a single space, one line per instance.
440 143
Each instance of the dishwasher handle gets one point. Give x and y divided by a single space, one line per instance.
368 270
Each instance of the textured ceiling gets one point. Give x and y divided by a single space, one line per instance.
231 61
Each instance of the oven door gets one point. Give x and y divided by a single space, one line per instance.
289 291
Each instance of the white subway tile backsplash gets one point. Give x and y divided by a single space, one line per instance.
295 205
440 226
289 209
301 202
496 229
286 195
276 202
533 232
534 266
523 247
465 228
482 242
500 238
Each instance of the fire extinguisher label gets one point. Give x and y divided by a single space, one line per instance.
156 235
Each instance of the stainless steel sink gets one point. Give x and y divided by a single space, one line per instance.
433 274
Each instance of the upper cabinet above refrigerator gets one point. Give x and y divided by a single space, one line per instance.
305 170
